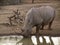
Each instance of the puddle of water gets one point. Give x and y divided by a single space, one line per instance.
10 40
47 39
41 39
34 40
56 40
19 40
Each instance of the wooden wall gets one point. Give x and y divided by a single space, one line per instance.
9 2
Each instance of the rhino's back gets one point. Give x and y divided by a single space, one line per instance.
45 13
36 15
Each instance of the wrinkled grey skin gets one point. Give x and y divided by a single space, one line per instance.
38 17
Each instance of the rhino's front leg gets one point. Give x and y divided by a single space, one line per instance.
42 26
37 29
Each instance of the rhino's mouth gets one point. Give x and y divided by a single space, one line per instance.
25 33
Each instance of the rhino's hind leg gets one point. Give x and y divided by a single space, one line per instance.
50 24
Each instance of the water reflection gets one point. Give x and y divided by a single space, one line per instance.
44 40
34 40
10 40
19 40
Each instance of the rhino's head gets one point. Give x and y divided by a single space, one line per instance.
26 30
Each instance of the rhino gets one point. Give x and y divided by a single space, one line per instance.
38 17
